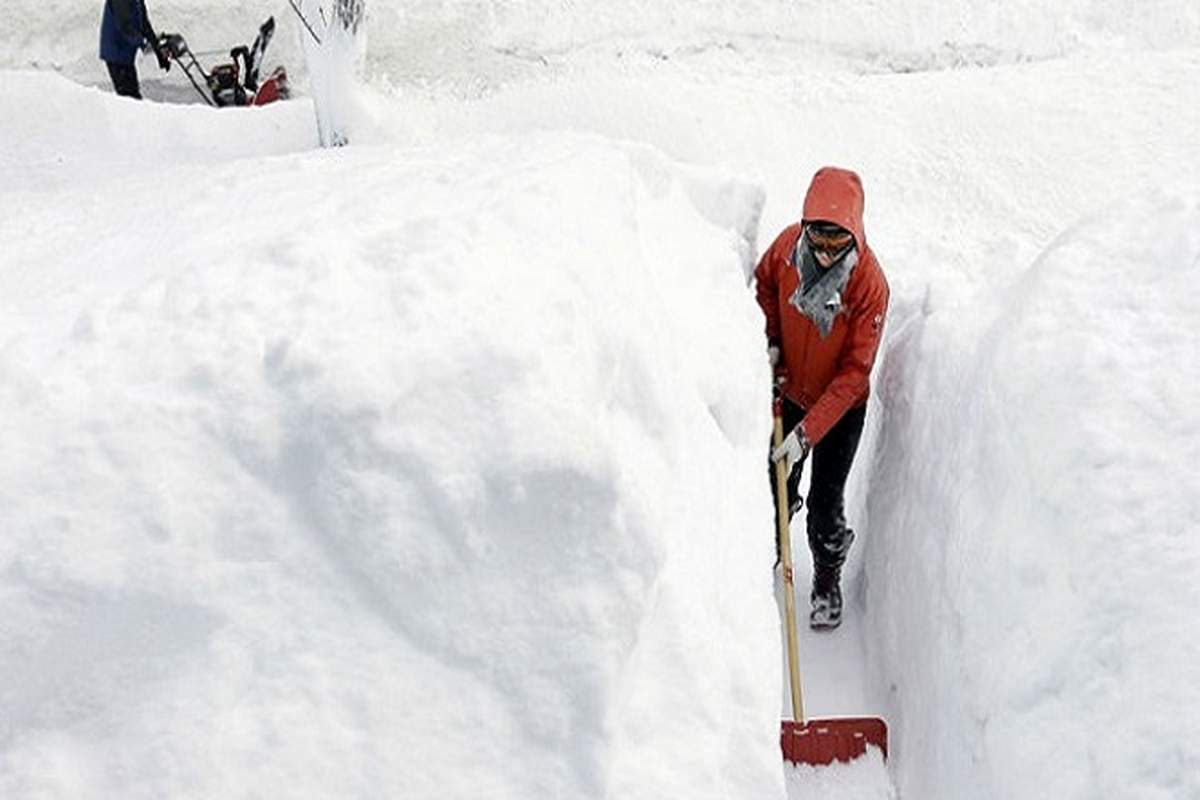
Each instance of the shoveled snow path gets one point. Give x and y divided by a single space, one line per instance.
834 681
833 678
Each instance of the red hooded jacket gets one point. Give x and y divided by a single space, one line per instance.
826 376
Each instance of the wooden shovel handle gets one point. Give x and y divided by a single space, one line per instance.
789 587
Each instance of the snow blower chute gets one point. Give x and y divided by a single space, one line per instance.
235 83
815 742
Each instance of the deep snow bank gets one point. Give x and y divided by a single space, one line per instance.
57 135
440 475
1033 518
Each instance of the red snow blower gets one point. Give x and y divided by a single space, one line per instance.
815 742
235 83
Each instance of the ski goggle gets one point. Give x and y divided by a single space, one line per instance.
827 237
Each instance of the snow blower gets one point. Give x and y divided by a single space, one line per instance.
816 742
235 83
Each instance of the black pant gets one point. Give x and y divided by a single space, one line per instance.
828 537
125 79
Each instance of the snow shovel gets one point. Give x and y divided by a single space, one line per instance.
816 742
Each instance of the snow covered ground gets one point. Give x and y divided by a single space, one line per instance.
433 466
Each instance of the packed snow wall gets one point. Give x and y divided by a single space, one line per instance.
456 492
1034 517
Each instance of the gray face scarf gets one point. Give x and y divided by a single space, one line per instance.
819 295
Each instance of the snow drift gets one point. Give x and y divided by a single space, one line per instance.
1033 513
428 479
106 139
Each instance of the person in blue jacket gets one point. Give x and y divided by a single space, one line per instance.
125 29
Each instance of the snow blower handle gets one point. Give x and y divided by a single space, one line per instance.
785 557
154 43
172 44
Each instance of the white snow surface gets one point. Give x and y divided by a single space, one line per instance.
1050 559
857 780
434 466
385 496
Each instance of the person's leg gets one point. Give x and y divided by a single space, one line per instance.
125 80
828 537
792 415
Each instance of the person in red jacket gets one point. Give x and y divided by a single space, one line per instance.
825 299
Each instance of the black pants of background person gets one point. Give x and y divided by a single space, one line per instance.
125 79
828 537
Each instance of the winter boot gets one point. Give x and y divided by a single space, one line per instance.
826 599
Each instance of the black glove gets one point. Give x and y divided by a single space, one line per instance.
161 52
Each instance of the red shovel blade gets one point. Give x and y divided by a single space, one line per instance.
822 741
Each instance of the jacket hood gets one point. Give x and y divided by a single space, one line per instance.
836 195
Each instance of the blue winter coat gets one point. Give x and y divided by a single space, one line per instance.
124 28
